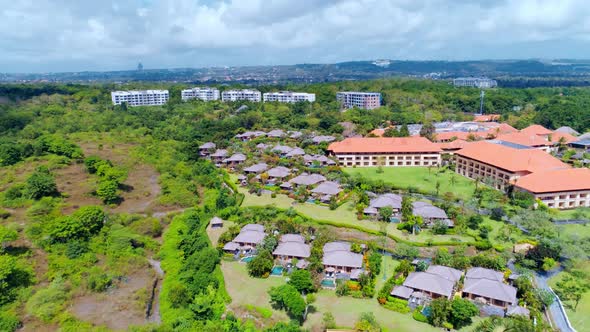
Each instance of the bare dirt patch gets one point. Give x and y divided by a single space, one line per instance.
76 185
120 307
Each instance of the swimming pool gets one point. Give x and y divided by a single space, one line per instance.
247 259
277 271
328 283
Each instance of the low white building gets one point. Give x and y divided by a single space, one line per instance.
140 97
244 94
475 82
205 94
288 97
364 100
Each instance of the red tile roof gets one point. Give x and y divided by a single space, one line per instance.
526 139
512 160
454 145
378 132
449 135
536 130
383 145
486 117
572 179
556 136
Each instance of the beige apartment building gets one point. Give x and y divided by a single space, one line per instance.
555 183
386 151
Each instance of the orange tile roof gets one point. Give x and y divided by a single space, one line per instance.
464 135
504 128
536 130
383 145
454 145
556 136
572 179
486 117
512 160
378 132
526 139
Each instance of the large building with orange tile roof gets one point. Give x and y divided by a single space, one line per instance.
386 151
530 140
453 146
499 165
565 188
486 117
536 130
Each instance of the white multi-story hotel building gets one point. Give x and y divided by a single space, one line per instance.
364 100
244 94
288 97
386 151
140 98
475 82
205 94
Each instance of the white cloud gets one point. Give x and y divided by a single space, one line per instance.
75 35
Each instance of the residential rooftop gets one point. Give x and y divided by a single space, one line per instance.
384 145
566 179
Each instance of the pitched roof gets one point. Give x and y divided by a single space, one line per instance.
282 149
256 168
402 291
307 179
453 145
512 160
231 246
320 139
567 137
327 188
343 258
292 238
515 310
208 145
296 249
336 246
276 133
219 153
463 135
567 179
235 157
491 289
390 200
566 130
428 211
584 136
483 273
295 134
249 237
295 152
486 117
446 272
526 139
430 283
279 172
253 227
216 221
536 130
384 145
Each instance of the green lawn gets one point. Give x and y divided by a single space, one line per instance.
579 213
388 264
579 319
245 290
345 215
582 231
420 178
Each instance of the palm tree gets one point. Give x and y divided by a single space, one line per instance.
512 324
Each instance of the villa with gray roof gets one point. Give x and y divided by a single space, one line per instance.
295 153
307 179
487 285
326 188
218 155
278 173
392 201
249 237
256 168
339 259
277 133
292 246
250 135
216 222
205 149
235 159
431 284
282 149
295 134
322 139
430 213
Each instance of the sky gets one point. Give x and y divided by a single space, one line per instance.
101 35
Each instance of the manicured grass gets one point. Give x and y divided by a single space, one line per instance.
345 215
579 213
215 233
579 319
420 178
582 231
388 265
246 291
346 311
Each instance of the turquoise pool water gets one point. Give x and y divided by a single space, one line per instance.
247 259
328 283
394 220
277 271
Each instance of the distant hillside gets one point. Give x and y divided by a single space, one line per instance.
507 72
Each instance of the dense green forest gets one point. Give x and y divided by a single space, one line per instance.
91 193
